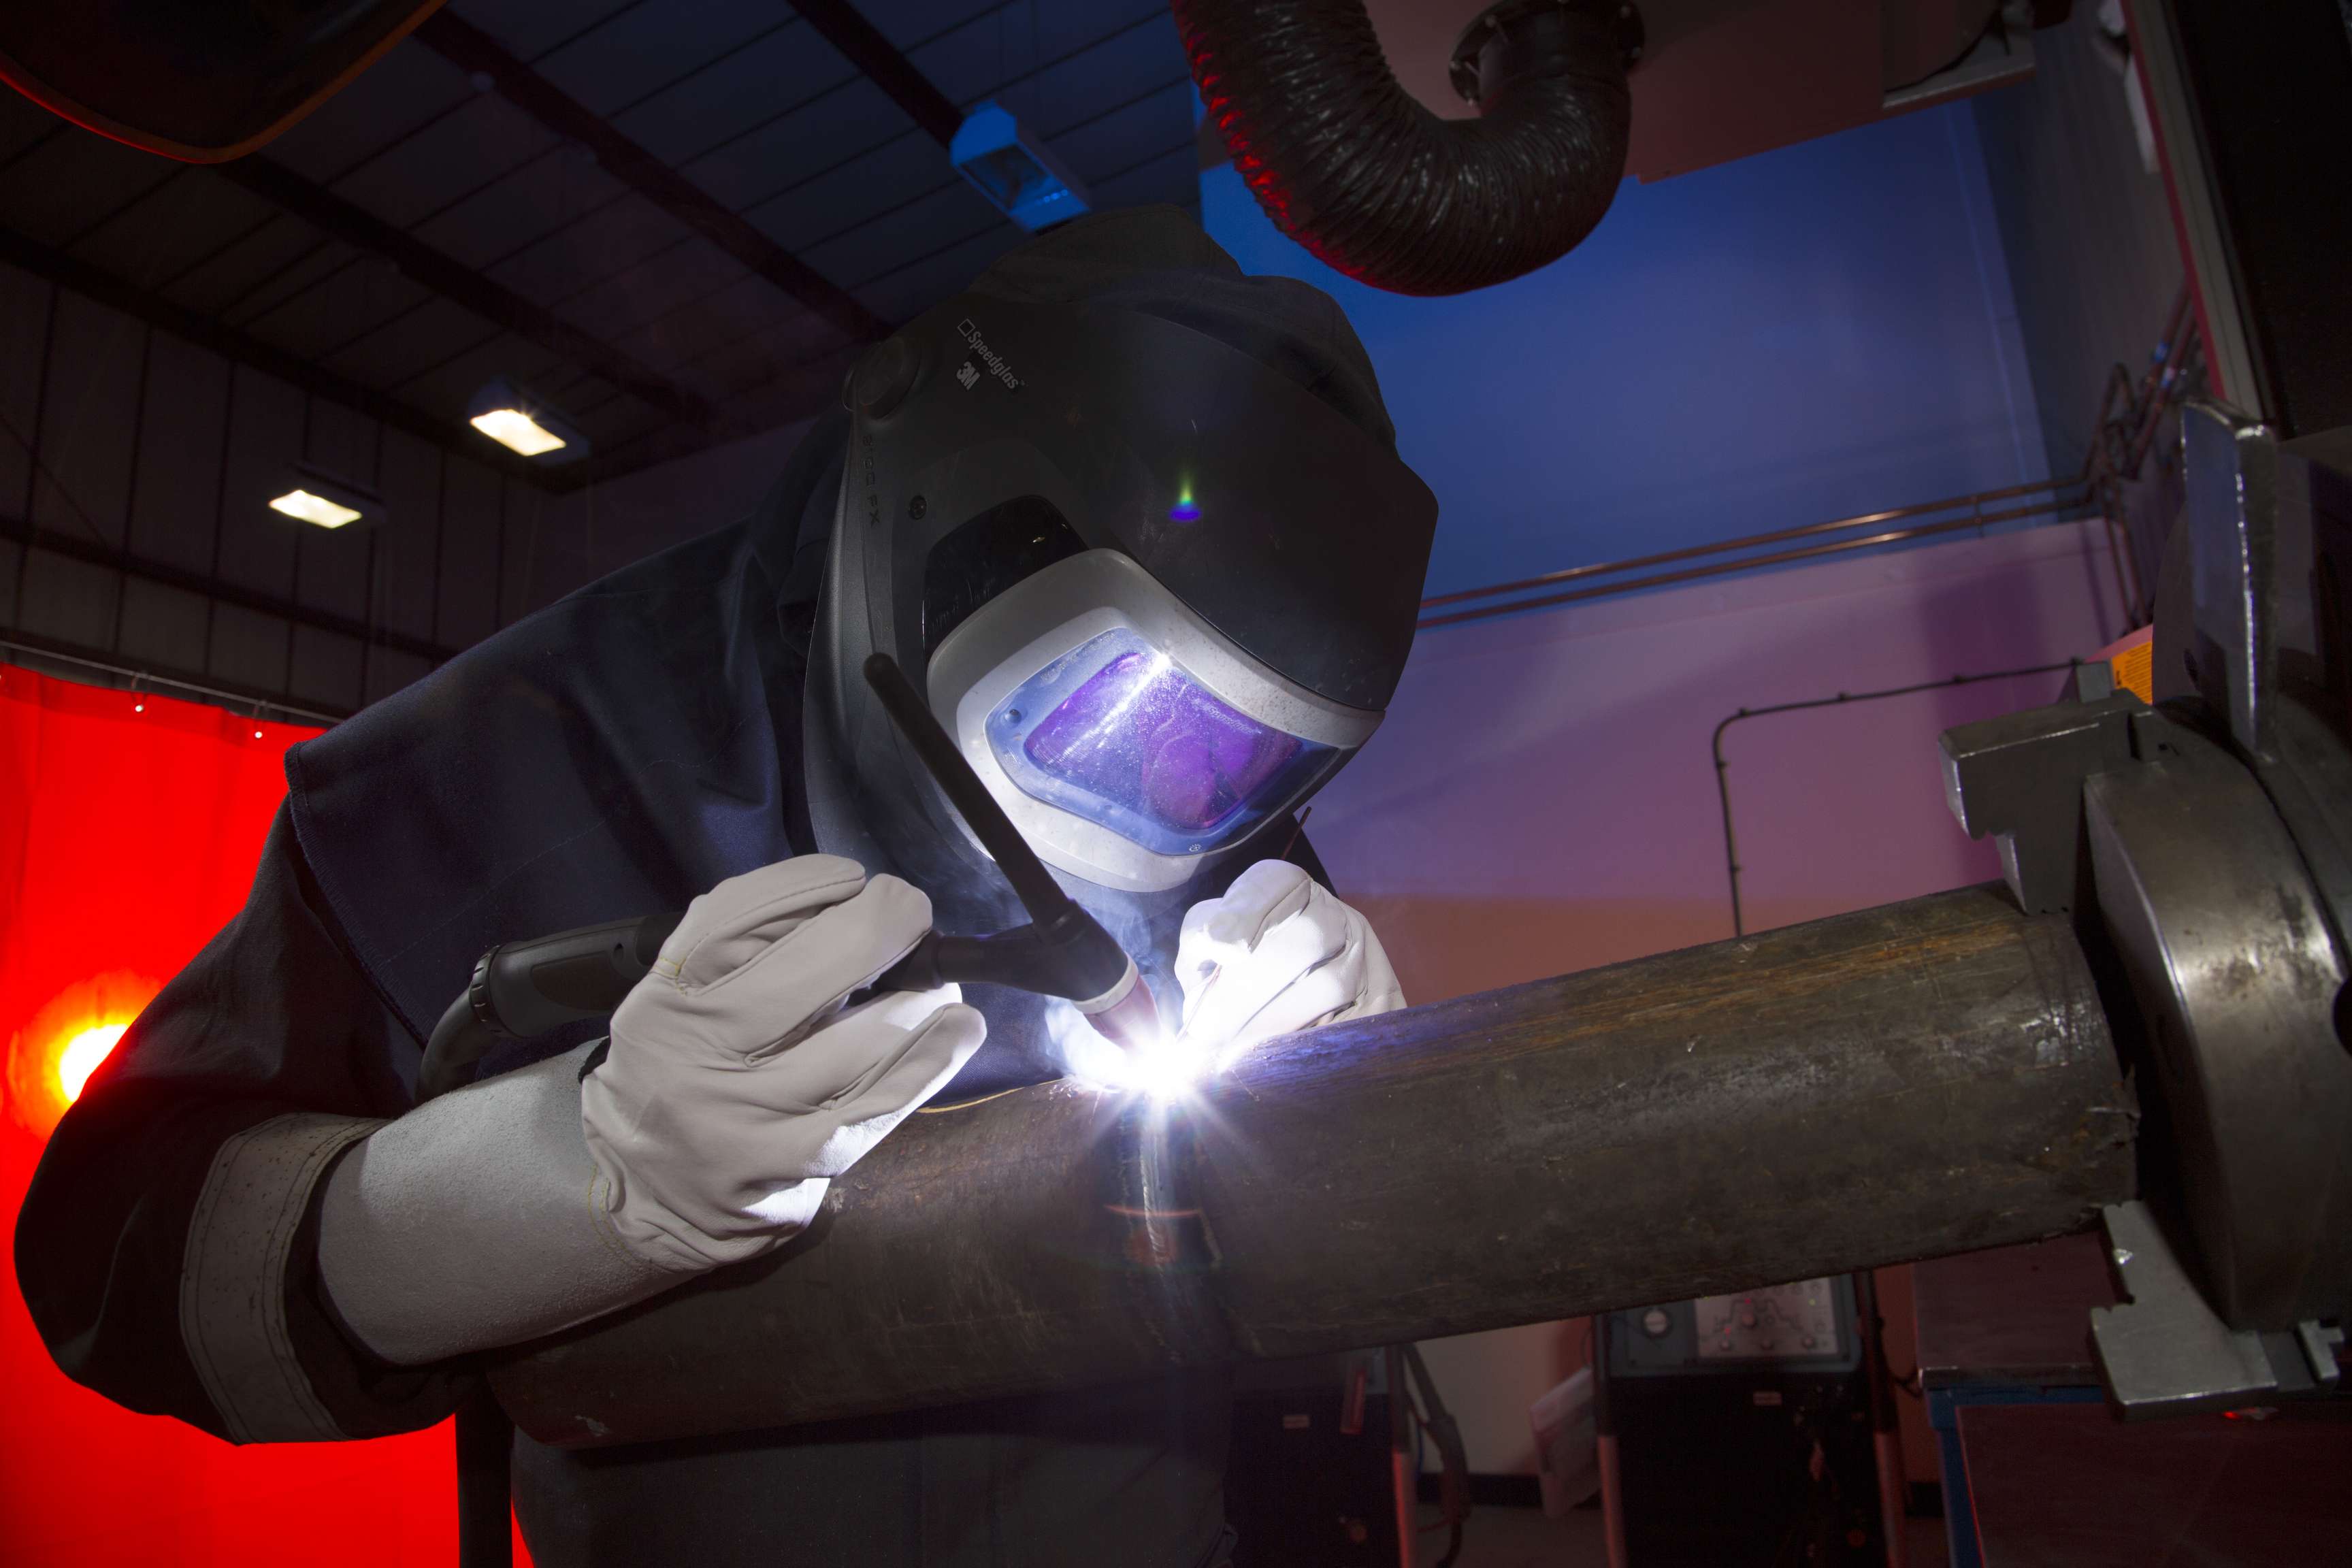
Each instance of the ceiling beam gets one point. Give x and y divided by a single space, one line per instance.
71 272
74 547
470 49
847 29
462 286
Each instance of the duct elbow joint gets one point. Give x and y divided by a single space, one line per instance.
1345 161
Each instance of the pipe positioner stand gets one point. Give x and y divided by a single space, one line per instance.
2201 848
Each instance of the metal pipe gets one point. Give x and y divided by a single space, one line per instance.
1609 568
2143 402
1723 766
1924 1078
1776 558
130 678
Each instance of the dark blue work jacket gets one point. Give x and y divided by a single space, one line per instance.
615 753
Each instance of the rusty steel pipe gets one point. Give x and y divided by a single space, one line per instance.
1923 1078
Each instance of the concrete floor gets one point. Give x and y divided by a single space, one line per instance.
1523 1538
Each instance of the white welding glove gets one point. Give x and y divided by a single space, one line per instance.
735 1084
1277 953
738 1084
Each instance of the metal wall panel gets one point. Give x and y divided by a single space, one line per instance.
247 647
325 668
422 175
2086 226
331 569
533 28
538 195
264 434
162 626
408 547
339 296
608 67
532 571
69 600
403 93
176 488
471 554
72 182
97 363
389 670
180 222
24 302
215 280
158 461
24 126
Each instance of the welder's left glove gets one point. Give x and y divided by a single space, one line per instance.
1277 953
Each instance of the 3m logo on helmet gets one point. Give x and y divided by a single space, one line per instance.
986 356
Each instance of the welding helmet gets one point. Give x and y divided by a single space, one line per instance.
1135 524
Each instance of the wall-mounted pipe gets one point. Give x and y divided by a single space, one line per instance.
1923 1078
1349 165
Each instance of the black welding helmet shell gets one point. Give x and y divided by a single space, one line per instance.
1156 575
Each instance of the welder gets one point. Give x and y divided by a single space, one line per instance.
1135 525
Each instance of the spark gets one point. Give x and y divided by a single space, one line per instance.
1165 1069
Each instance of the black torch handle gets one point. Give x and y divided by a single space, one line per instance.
1039 893
1063 951
522 989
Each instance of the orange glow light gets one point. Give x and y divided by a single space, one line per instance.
82 1053
51 1057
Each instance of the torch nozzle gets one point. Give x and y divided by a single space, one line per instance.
1126 1015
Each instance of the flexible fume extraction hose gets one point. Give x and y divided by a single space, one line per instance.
1346 163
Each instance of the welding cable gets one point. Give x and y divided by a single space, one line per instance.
1431 1417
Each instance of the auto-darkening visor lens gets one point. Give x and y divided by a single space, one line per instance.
1119 733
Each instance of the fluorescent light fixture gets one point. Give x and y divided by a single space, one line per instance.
300 503
314 496
524 425
518 431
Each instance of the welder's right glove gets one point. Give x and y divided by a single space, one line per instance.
738 1084
1275 952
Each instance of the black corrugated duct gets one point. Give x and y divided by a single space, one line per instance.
1346 163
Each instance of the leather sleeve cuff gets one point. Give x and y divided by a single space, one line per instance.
476 1221
241 1237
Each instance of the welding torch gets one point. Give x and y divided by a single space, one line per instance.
1063 951
523 989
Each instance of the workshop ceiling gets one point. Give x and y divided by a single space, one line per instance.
674 219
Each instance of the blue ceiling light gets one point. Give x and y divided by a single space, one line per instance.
1014 170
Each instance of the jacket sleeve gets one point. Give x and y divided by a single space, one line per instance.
167 1246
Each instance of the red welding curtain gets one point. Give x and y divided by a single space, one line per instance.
129 829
